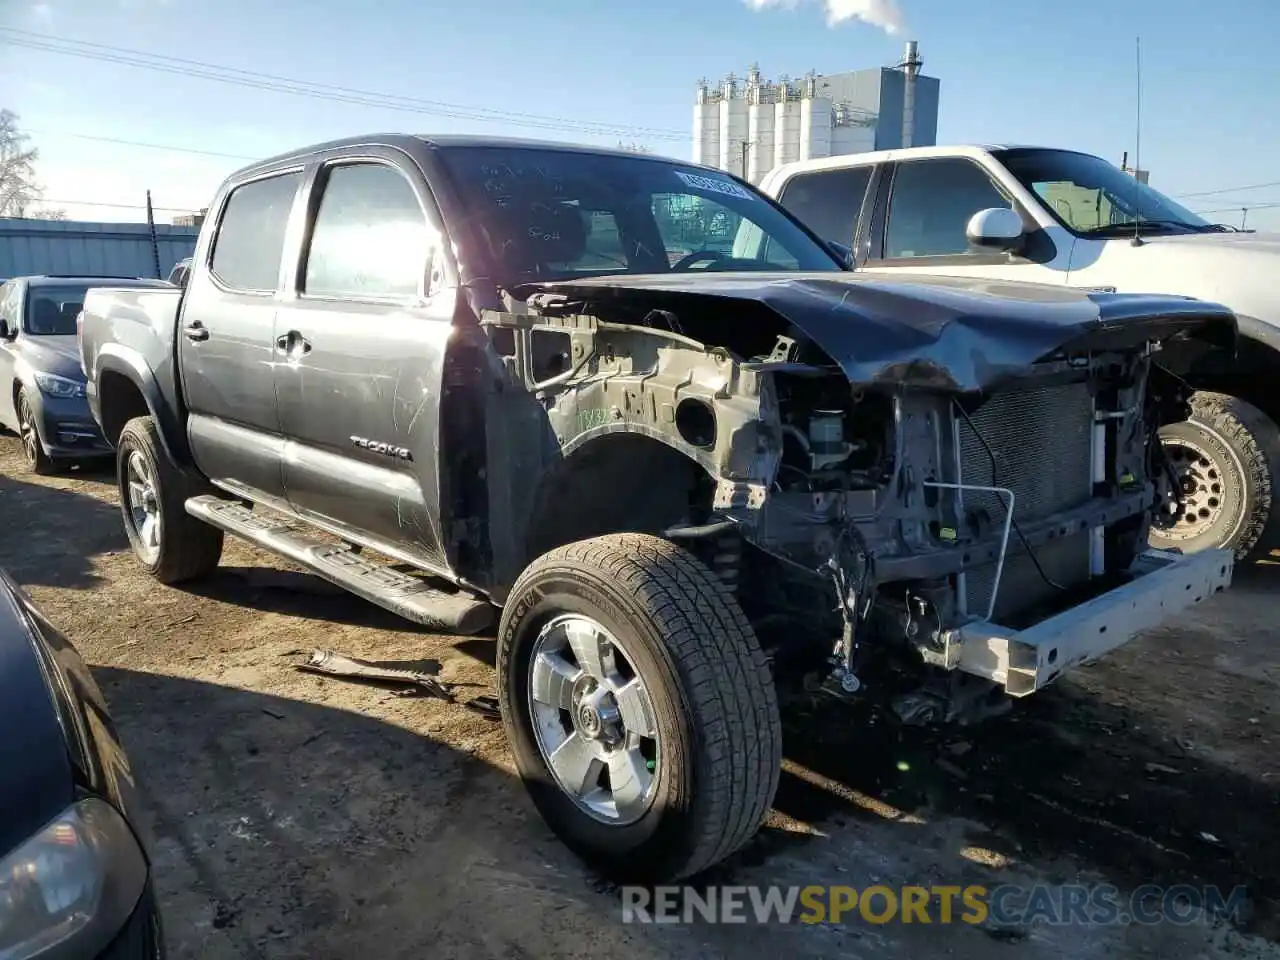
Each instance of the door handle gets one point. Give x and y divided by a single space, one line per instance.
293 344
196 331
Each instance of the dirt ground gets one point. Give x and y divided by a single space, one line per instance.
295 816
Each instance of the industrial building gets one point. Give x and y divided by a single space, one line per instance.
749 127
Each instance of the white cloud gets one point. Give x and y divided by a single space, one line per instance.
42 13
884 14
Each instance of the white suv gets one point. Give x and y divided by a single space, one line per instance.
1062 217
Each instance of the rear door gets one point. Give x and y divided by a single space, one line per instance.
226 341
359 350
919 222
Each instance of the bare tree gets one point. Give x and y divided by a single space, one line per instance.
18 185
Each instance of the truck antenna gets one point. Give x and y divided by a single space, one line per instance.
1137 147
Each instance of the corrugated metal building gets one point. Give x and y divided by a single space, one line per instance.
90 249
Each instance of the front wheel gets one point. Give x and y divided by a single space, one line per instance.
639 706
38 461
1226 461
172 545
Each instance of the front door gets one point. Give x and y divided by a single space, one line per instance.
226 341
359 352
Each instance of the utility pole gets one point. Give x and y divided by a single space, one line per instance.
1244 215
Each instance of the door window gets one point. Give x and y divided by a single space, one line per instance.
371 238
828 201
931 204
250 239
9 307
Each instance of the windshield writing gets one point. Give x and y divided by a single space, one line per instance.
550 214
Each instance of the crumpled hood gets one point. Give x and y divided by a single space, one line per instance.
56 355
952 333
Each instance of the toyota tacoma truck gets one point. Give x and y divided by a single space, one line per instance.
1063 217
645 419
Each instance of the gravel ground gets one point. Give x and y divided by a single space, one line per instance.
300 816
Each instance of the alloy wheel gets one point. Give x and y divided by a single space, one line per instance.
593 719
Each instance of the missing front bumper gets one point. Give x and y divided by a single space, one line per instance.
1165 585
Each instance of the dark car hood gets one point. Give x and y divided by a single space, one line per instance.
56 355
953 333
37 780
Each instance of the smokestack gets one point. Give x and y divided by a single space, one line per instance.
911 64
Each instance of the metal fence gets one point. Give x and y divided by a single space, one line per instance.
82 248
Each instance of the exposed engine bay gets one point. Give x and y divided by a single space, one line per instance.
915 505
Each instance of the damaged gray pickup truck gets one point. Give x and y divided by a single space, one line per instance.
642 412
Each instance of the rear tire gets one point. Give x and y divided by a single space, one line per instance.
173 545
1227 457
698 788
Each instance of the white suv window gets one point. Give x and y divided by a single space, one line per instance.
828 201
931 203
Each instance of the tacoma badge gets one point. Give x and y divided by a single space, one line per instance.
386 449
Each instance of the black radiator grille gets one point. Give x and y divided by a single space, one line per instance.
1041 442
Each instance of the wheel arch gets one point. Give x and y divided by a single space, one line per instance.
1249 374
125 388
615 482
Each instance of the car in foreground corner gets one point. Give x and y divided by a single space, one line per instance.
41 383
75 878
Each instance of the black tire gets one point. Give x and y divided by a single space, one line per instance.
714 705
186 548
38 461
1229 451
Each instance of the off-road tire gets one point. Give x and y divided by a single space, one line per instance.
1243 445
189 548
38 462
714 702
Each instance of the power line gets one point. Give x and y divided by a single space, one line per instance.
1214 193
1267 205
315 90
120 206
140 143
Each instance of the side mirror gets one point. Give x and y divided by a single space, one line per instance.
6 333
843 252
997 228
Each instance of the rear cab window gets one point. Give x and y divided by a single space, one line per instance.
829 201
249 244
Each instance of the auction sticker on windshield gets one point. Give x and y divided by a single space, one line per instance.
714 185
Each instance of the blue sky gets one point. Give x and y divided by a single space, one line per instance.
1042 72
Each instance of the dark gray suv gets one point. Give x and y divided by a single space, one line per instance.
41 383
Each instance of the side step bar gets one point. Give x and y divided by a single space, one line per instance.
412 597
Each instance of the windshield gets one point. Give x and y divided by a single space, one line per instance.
548 214
52 311
1091 196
